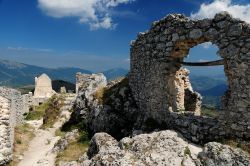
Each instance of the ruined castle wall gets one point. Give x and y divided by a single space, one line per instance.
11 114
6 132
28 101
157 53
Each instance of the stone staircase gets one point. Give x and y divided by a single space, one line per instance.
68 104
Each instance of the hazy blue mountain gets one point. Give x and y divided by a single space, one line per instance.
18 74
201 83
210 87
115 73
215 91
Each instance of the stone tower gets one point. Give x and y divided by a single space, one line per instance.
43 87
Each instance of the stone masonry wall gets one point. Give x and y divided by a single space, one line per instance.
157 53
11 113
5 131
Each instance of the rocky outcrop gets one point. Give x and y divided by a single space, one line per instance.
102 107
118 112
160 148
112 109
86 86
217 154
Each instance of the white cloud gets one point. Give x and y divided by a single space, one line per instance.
29 49
203 60
206 45
96 13
210 9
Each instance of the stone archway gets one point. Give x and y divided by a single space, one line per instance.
156 57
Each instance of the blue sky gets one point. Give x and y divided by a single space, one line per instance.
87 34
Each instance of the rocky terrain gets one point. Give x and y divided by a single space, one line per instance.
160 148
152 116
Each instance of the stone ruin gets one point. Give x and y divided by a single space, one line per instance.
157 64
43 87
11 114
13 106
89 80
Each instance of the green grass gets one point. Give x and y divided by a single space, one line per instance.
37 112
209 111
75 149
26 89
59 133
72 152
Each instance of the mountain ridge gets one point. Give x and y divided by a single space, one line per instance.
16 74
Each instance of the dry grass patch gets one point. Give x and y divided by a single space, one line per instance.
73 152
23 135
244 145
99 94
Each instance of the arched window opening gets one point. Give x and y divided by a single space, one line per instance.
207 76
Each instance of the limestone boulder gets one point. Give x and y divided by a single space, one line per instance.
216 154
158 148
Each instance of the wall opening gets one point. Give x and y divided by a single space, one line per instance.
209 81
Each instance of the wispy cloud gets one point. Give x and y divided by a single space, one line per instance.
29 49
206 45
95 13
203 60
208 10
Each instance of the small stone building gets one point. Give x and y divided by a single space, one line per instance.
43 87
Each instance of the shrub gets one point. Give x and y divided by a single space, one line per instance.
37 112
52 112
99 94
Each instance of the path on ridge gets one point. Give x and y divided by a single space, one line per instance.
39 151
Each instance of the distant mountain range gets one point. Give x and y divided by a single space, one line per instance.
211 88
15 74
18 74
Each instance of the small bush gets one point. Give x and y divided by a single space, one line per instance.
37 112
84 137
18 141
187 151
69 126
52 112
